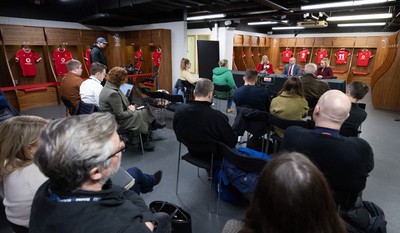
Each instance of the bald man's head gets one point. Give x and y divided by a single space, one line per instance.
332 109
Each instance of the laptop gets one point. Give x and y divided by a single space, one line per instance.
126 89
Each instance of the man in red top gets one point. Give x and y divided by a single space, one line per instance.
60 57
341 56
27 58
70 84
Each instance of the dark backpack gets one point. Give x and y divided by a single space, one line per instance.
369 218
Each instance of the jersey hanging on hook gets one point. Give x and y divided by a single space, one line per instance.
61 56
27 59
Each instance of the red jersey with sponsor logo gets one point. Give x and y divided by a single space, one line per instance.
286 55
363 57
321 54
60 58
157 58
341 56
27 59
87 59
303 55
138 56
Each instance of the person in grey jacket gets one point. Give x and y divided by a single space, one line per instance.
127 115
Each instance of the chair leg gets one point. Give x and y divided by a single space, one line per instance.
211 182
219 185
177 173
141 143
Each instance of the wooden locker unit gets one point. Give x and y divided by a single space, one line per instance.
240 64
246 40
14 38
256 55
238 40
248 59
342 43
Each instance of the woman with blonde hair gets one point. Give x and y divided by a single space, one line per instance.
324 71
19 140
186 76
265 67
292 195
222 76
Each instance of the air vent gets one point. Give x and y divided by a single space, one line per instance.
313 24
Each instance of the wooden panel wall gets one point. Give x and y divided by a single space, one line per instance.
385 80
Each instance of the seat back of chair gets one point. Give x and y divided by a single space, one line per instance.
253 121
284 123
173 98
224 88
243 162
66 102
84 108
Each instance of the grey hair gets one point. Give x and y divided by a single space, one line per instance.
203 87
73 64
310 68
71 147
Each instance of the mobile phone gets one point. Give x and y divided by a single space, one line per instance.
140 107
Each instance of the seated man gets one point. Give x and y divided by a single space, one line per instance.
90 89
250 95
313 88
197 122
79 154
70 84
292 69
356 91
345 161
128 116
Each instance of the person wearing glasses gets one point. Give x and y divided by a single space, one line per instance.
79 154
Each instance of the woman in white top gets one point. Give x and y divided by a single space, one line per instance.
185 76
19 140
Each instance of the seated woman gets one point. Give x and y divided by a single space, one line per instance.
290 103
223 76
324 71
265 67
20 177
186 76
292 195
128 117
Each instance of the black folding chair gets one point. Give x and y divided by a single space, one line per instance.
221 88
69 108
84 108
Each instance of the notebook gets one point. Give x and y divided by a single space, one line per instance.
123 179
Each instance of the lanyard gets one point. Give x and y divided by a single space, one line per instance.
56 198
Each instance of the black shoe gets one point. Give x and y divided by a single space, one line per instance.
157 125
147 146
157 177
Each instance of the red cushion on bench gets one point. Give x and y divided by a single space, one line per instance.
360 72
339 71
35 89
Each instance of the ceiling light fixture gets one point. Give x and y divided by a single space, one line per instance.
286 28
343 4
261 23
360 24
201 17
360 17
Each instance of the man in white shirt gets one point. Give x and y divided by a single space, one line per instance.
90 89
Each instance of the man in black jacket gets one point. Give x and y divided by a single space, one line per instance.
79 154
345 161
96 53
197 122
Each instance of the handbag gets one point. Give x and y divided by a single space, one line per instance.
180 219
